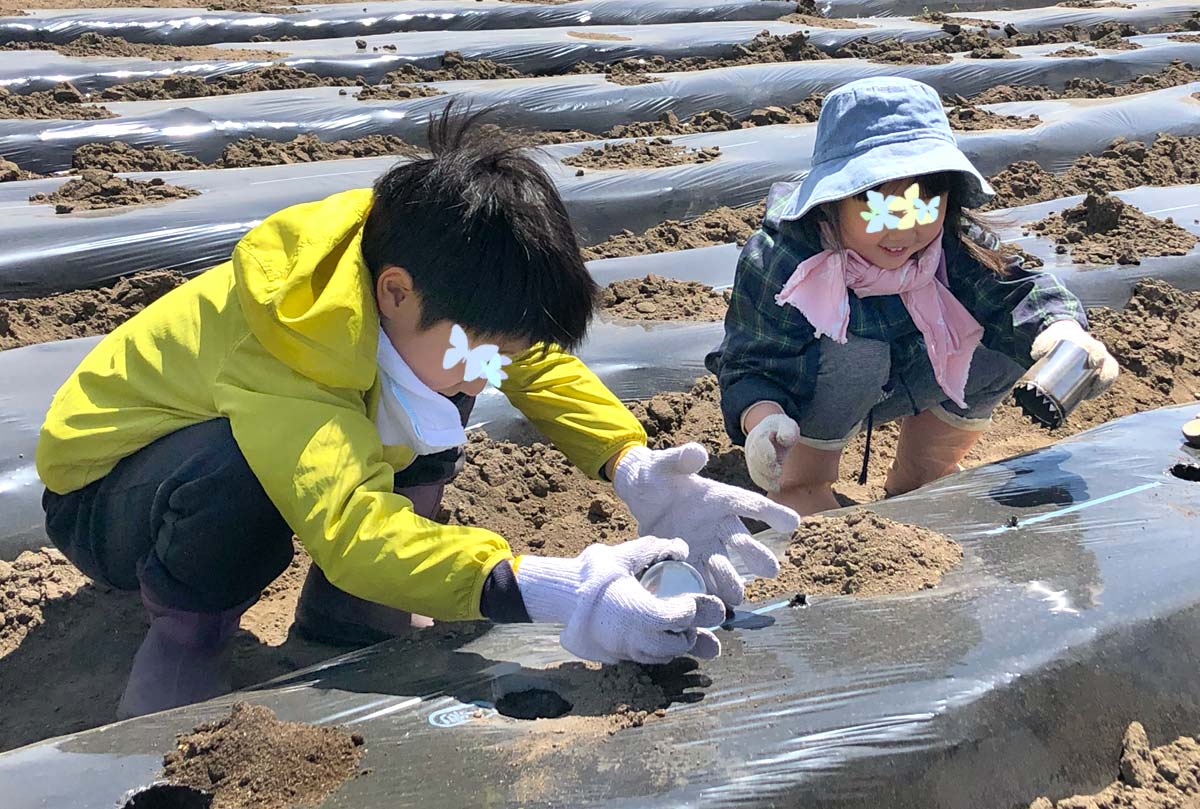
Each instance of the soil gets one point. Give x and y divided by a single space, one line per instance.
81 313
395 92
968 117
598 37
274 77
1173 75
1169 160
806 112
820 22
92 44
1074 50
63 102
942 18
859 553
993 51
641 154
765 48
252 758
718 226
1092 4
454 68
1185 38
1166 777
117 156
658 298
11 172
94 189
1105 230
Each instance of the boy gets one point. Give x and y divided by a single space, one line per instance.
319 383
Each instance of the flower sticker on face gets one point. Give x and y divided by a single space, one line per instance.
483 361
913 210
878 217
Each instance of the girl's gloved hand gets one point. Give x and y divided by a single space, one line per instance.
766 447
608 615
1098 356
668 498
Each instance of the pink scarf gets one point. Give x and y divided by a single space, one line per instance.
818 288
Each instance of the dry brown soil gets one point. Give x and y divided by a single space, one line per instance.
719 226
658 298
273 77
92 44
1166 777
859 553
1105 230
640 154
63 102
1173 75
94 189
252 758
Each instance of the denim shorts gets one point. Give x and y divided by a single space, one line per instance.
856 378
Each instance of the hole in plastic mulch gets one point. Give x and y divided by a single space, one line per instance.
1187 471
533 703
169 796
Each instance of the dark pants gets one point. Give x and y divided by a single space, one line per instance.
187 515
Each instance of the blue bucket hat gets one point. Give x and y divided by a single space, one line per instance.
879 129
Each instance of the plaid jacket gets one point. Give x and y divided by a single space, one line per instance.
770 352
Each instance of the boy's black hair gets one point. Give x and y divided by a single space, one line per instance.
481 229
958 219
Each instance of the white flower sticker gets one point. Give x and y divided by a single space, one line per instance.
482 362
878 217
912 209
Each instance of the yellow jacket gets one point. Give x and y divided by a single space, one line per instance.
281 341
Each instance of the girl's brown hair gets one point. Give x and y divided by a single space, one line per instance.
952 185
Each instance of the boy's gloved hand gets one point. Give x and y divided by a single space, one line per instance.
1098 356
766 447
608 615
668 498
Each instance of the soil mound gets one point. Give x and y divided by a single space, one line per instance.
1169 160
1163 778
658 298
765 48
656 153
966 117
454 68
310 149
82 313
63 102
806 112
11 172
1104 230
92 44
274 77
394 92
252 758
1074 50
820 22
117 156
27 585
859 553
1173 75
94 189
718 226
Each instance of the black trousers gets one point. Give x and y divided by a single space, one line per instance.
187 515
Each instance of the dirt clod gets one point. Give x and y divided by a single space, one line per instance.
404 81
92 44
1105 230
11 172
117 156
967 118
64 102
1173 75
252 758
273 77
1074 50
718 226
1166 777
655 153
658 298
805 112
94 189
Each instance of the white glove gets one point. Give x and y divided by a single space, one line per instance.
609 616
1098 356
767 445
668 498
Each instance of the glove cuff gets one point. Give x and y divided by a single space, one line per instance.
549 587
627 475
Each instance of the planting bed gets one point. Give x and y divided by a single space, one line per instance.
911 653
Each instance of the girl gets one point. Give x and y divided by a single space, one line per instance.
939 327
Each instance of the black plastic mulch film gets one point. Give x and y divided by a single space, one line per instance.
1015 676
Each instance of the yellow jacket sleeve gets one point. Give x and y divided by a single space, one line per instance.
572 407
319 458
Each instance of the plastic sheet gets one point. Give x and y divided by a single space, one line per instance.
169 26
634 360
534 51
49 253
203 126
1014 677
